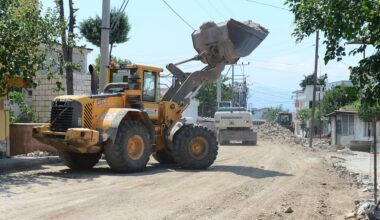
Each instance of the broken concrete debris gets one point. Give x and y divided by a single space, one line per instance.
38 153
271 131
288 210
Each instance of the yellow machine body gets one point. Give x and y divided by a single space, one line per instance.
100 115
129 120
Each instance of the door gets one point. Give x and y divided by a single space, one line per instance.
338 131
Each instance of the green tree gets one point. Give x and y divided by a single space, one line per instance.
120 27
22 31
338 97
272 113
308 80
344 21
207 97
369 114
303 115
26 114
117 60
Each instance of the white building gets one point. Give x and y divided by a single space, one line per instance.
331 85
40 98
304 99
260 114
346 127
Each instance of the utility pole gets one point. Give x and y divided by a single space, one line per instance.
218 91
374 161
104 44
319 116
233 81
311 129
233 86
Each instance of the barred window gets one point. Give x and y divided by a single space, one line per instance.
348 124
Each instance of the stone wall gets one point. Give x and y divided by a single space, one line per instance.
46 91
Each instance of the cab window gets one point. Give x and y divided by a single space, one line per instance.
149 86
122 75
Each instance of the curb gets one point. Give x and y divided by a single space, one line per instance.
16 164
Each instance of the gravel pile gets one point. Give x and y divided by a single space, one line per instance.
271 131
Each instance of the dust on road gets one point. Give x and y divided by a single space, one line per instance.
245 182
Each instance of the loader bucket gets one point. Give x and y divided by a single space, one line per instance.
227 41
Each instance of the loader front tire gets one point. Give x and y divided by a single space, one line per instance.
78 161
195 147
163 157
131 149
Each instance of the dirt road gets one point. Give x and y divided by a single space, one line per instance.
246 182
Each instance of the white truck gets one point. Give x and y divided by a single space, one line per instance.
234 124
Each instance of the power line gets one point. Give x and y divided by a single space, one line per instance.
215 8
179 15
268 94
266 4
119 14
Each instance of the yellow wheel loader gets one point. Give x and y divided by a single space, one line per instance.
128 122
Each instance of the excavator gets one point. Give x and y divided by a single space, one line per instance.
129 121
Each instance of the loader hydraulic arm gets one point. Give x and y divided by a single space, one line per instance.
188 83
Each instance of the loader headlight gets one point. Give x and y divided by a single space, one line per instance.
79 121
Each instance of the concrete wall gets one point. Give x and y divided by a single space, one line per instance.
46 90
22 142
333 131
260 114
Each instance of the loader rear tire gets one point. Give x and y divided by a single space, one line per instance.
132 148
194 147
79 161
163 156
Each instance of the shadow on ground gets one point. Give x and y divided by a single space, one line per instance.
256 173
45 177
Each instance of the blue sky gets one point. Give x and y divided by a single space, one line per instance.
275 69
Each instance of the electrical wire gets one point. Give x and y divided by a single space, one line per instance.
266 4
268 94
187 23
215 8
119 14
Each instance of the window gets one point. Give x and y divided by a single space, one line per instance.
122 75
368 129
348 125
149 86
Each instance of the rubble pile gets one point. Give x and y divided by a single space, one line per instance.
360 180
271 131
38 153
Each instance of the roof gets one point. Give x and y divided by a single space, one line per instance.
298 91
341 112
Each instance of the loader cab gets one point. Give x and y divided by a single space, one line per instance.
136 77
284 118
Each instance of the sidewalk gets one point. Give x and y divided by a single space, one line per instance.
25 163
